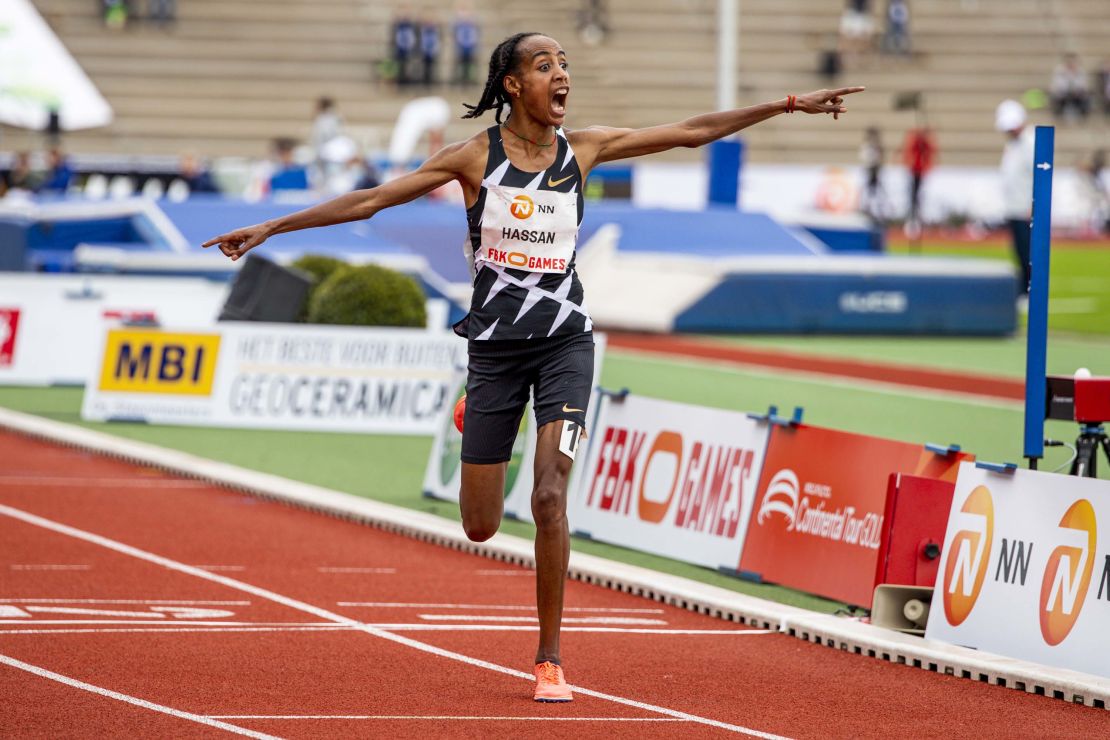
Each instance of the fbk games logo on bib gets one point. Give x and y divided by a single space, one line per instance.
1068 573
522 206
968 555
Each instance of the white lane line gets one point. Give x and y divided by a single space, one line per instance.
387 571
49 566
339 619
333 627
513 572
447 717
123 601
100 612
60 482
566 620
191 623
223 568
486 607
317 628
74 683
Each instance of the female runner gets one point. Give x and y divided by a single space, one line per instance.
528 327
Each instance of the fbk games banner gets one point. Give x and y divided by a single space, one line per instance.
276 376
818 518
1026 569
670 479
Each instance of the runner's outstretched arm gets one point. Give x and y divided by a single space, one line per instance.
450 163
599 144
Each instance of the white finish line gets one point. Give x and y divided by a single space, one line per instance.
210 721
446 717
292 603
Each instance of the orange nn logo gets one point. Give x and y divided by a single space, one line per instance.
968 555
1068 573
522 206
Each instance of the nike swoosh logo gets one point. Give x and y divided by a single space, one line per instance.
556 183
568 410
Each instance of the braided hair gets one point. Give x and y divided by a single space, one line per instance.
501 62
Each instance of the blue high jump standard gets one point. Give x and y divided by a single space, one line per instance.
1036 342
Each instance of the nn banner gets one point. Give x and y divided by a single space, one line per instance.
1025 570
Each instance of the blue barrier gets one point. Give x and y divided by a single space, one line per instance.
846 303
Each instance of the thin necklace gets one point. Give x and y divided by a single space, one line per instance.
533 143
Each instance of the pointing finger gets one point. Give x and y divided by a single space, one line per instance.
848 90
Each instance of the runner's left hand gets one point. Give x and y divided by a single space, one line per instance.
826 101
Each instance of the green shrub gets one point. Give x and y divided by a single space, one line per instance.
319 267
367 295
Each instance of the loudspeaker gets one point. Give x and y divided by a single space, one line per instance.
902 608
266 291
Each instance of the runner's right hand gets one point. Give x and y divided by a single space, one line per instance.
236 243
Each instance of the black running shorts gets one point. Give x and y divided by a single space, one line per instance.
559 372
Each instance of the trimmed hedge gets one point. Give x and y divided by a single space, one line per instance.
319 267
367 295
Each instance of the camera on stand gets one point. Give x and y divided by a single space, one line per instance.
1084 399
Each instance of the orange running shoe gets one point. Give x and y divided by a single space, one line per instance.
550 684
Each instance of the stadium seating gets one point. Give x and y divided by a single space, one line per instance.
233 74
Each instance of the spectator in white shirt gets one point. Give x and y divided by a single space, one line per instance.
1017 180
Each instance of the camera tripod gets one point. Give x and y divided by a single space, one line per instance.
1091 437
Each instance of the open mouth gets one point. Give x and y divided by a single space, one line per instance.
559 101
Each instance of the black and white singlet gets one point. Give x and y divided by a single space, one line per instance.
523 232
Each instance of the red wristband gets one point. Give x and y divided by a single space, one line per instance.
791 100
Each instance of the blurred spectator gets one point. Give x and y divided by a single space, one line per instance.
829 63
115 13
429 48
288 175
162 12
1096 192
59 174
326 126
1102 86
195 174
1017 180
593 22
1070 90
466 44
404 44
896 40
19 176
871 156
918 154
857 28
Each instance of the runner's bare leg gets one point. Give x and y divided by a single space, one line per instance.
549 509
482 499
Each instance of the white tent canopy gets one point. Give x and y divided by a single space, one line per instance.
38 74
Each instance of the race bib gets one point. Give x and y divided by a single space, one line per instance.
533 230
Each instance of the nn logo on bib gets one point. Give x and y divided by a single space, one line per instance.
1068 573
522 206
968 555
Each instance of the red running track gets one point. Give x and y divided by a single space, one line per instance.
213 606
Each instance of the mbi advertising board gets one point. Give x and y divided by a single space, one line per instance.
276 376
1026 569
818 518
670 479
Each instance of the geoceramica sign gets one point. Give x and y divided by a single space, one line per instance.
1025 570
276 376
